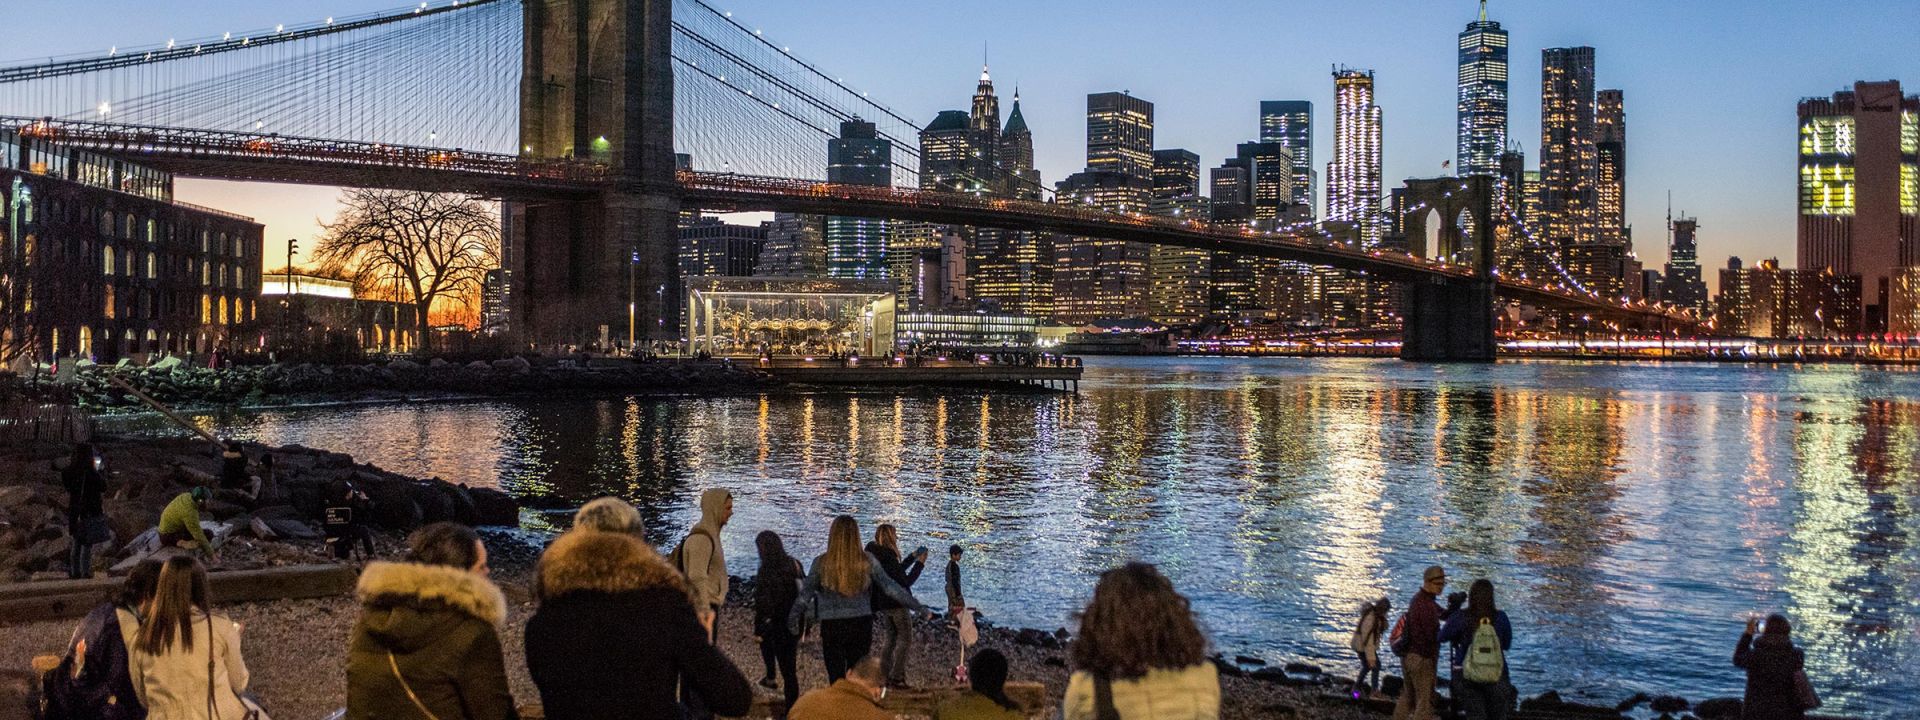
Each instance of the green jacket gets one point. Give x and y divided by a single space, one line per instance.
184 514
439 627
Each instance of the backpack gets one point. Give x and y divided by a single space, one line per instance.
1485 662
679 555
1397 641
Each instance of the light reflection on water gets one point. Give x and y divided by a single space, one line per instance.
1631 515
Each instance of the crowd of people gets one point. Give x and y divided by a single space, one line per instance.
427 641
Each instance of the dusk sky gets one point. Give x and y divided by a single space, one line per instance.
1710 84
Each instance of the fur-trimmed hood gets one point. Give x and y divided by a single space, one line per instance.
584 560
406 605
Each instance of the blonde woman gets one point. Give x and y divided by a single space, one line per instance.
185 661
838 592
898 644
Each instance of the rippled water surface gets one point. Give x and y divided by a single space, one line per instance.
1630 515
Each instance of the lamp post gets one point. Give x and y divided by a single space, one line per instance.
633 343
288 288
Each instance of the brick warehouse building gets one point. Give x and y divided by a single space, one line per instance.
108 265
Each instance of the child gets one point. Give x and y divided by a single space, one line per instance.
955 601
1366 644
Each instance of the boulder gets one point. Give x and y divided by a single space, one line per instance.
1632 702
289 528
1249 660
403 365
1718 709
515 365
1390 685
1669 704
436 363
393 506
492 507
1227 669
480 366
40 555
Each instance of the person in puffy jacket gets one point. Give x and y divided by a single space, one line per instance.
427 643
838 592
1141 652
615 633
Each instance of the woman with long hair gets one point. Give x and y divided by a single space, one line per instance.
774 590
86 515
1366 644
1775 671
427 643
1140 653
1481 685
185 660
898 636
838 592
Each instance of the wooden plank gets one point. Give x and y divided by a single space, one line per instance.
1030 696
56 600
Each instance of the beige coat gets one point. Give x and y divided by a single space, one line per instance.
1190 693
174 684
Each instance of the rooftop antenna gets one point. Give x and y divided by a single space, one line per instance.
1483 10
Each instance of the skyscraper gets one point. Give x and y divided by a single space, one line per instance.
984 125
1353 178
1290 123
1095 278
1568 158
857 247
1860 189
1610 169
1272 175
795 247
1683 284
1120 135
1483 96
1176 172
1013 270
946 153
1181 276
1016 153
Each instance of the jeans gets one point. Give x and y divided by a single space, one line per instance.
779 648
79 558
1480 701
843 643
1366 669
899 643
1416 694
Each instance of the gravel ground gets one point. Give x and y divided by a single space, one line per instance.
296 651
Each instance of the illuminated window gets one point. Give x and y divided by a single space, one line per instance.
1909 189
1826 189
108 308
106 255
1827 136
1909 133
150 268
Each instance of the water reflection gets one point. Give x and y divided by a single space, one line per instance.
1632 516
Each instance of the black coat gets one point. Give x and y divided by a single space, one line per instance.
1771 662
774 591
903 575
86 488
615 634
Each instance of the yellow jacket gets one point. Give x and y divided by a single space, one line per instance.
1189 693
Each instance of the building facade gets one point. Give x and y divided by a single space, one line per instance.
1769 301
1096 279
1353 178
1682 284
796 246
1483 97
1568 157
1610 168
101 262
1120 135
857 247
1290 123
712 248
1859 189
1182 277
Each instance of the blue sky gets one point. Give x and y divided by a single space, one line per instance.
1710 84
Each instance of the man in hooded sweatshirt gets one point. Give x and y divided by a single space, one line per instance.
705 565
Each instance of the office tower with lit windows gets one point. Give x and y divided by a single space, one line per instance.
946 153
1272 173
796 246
1015 153
1483 97
1860 190
1610 168
710 247
1012 271
1769 301
1181 276
1176 172
1120 135
1568 158
1290 123
1094 278
1353 178
984 120
1682 284
857 247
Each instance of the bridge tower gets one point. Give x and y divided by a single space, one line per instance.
597 84
1451 319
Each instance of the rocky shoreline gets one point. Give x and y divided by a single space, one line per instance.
192 388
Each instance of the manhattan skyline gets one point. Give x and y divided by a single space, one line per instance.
1712 85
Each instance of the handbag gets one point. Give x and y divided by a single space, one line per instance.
1803 690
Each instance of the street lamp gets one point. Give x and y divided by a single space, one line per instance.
288 289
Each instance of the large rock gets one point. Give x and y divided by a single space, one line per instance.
1718 709
494 507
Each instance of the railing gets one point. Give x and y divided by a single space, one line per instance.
212 211
27 422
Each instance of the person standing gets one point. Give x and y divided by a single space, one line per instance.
185 661
774 589
956 600
1140 653
704 561
427 643
1366 644
615 633
234 475
898 628
1773 667
86 486
838 591
1480 682
180 522
1420 665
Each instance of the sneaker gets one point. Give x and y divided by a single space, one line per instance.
769 683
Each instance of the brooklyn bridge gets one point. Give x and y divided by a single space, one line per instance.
573 114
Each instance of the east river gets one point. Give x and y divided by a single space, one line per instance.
1631 516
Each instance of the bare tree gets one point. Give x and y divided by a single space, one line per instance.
438 246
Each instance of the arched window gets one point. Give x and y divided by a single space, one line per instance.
106 256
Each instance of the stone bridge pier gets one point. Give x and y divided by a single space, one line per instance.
1451 319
